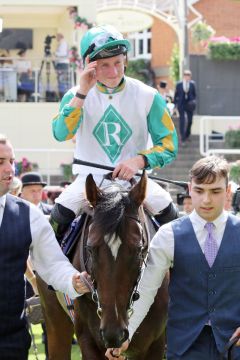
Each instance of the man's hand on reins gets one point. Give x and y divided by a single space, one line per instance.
125 170
82 282
113 354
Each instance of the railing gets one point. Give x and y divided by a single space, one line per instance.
212 129
44 81
48 169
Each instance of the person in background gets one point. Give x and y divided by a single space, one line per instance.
24 71
62 64
162 89
184 200
16 186
202 251
52 193
32 190
5 62
185 100
187 204
24 228
229 200
112 116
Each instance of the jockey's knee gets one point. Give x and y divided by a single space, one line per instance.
168 214
60 219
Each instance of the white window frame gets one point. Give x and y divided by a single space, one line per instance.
134 38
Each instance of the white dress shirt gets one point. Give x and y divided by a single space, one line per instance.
46 255
62 52
161 258
185 86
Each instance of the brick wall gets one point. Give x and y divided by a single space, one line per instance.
222 15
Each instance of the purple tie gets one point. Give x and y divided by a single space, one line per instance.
210 246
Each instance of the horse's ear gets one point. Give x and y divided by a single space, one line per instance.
138 192
92 191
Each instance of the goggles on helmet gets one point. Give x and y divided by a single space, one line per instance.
107 43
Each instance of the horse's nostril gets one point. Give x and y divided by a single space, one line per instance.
113 339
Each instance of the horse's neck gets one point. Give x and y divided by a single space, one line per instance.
148 227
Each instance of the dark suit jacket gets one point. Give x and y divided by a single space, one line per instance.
180 99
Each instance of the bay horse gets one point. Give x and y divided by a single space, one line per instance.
113 253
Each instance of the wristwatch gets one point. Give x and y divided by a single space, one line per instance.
80 96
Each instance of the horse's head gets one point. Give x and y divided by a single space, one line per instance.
115 244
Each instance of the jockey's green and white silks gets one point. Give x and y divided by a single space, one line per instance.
114 127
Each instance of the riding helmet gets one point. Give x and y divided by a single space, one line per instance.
103 42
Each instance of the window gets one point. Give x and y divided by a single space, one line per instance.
140 44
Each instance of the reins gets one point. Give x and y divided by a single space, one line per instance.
229 347
83 266
183 184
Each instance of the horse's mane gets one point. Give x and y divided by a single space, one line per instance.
110 210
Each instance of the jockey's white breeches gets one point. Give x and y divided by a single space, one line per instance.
73 197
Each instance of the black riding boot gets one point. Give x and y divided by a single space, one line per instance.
168 214
60 219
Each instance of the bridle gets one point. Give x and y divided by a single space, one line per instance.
140 219
135 294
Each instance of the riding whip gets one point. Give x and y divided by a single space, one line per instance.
183 184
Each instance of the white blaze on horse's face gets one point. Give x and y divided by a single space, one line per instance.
114 244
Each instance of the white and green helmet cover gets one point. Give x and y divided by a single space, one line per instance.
100 38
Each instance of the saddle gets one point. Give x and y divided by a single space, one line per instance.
72 235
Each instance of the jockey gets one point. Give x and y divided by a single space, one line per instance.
112 116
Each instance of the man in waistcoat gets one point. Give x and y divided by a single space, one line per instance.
24 228
202 252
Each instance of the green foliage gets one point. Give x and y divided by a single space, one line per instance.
235 172
201 32
174 64
67 171
232 138
139 69
37 331
224 51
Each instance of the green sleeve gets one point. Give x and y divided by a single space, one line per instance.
163 134
67 121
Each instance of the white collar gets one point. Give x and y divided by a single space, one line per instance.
221 219
3 201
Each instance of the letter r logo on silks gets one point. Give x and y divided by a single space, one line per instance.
112 132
